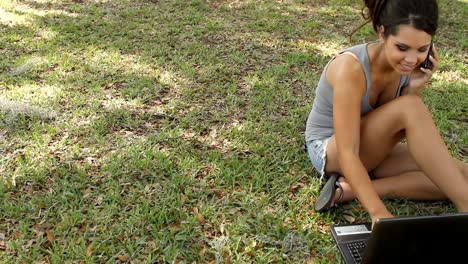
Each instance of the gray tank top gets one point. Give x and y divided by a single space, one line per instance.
320 121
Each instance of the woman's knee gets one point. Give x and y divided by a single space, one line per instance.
412 108
409 102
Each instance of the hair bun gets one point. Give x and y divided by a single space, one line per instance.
421 14
374 7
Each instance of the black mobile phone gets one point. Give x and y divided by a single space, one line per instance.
427 63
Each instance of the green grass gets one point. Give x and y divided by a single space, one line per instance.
172 131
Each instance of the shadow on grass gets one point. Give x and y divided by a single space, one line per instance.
174 109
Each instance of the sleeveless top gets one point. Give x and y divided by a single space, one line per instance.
320 121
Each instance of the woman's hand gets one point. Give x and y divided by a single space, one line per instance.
420 76
380 216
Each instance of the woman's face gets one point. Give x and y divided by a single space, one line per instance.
407 49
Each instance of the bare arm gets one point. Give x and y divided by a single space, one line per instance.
349 86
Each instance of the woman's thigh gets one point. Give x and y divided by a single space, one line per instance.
397 162
380 134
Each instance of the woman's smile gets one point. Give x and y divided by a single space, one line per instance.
407 68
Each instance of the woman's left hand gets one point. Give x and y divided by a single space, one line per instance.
420 76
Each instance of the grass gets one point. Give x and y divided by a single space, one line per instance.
172 131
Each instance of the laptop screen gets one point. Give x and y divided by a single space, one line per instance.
420 239
417 239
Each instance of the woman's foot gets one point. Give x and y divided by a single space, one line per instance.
341 194
331 193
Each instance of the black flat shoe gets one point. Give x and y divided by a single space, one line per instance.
327 194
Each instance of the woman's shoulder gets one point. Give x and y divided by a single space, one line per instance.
349 60
348 67
353 60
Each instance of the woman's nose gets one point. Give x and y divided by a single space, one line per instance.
411 58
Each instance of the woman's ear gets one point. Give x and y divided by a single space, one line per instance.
381 33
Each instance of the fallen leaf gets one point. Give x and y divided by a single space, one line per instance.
89 250
200 218
123 258
221 228
42 226
349 218
50 236
202 251
175 227
219 193
152 244
182 198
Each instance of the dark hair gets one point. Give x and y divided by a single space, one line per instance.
421 14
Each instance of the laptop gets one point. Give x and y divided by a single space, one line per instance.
417 239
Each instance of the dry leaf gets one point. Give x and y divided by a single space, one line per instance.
28 244
152 245
42 226
227 258
200 218
221 228
123 258
2 245
176 227
182 198
219 193
349 218
50 237
89 250
202 251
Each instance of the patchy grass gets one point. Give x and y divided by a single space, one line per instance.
172 131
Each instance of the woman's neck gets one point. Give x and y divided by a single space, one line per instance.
379 61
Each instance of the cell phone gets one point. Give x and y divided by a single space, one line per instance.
427 63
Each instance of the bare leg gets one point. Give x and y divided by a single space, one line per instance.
439 176
410 185
399 177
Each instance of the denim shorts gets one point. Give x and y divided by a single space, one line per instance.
317 150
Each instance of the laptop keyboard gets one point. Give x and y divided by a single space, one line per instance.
356 248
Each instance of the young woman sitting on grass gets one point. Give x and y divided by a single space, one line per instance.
367 101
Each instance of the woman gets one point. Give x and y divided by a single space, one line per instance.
367 101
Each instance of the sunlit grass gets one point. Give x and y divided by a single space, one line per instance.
177 128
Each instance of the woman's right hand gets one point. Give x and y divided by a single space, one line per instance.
386 214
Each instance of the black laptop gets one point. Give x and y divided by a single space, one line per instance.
416 239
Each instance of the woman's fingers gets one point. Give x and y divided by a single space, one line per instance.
434 58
